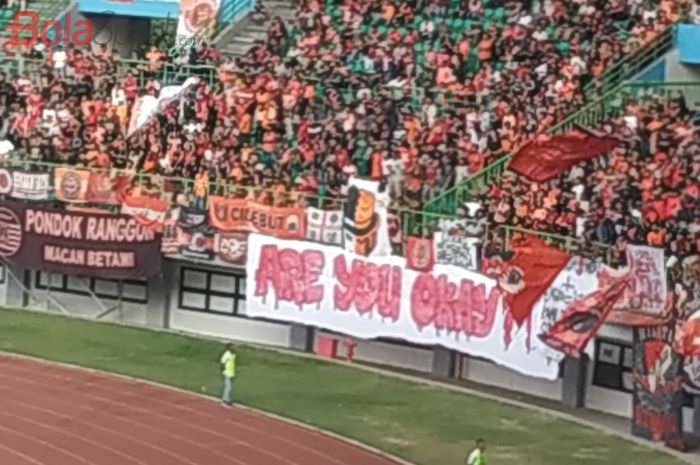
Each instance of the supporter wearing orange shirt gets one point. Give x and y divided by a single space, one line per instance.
201 188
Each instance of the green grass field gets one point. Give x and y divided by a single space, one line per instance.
425 425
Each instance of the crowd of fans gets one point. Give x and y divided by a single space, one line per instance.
437 84
646 192
433 85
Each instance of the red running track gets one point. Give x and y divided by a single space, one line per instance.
56 415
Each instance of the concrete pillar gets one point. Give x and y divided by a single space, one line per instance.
444 361
158 306
302 338
15 296
573 385
696 415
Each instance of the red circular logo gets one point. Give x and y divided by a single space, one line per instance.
5 181
10 233
200 14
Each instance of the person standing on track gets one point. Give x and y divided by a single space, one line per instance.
477 456
228 362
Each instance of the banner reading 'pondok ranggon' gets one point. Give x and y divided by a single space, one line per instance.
91 244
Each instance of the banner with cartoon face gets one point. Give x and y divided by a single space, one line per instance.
658 387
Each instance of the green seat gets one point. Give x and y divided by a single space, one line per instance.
563 46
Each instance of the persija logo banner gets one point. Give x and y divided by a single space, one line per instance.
89 244
330 288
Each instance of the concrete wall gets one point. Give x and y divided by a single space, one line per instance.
679 72
385 353
86 298
3 284
236 327
485 372
125 34
168 301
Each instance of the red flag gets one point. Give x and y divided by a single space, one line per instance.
546 156
528 275
581 321
148 211
420 253
690 337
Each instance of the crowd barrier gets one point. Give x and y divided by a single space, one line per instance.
607 106
180 191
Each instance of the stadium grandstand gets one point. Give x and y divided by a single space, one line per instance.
499 192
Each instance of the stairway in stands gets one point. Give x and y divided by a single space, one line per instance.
237 39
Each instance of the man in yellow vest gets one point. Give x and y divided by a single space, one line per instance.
477 456
228 361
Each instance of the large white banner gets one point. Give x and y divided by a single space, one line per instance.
327 287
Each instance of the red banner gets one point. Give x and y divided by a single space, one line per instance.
529 274
581 321
239 215
420 253
547 156
76 185
658 396
97 245
689 338
148 211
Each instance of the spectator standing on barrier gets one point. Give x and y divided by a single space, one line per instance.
478 455
228 361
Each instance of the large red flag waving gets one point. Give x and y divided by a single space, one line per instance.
581 321
546 156
528 275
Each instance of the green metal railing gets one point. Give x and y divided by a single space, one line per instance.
416 223
167 74
603 89
178 190
632 64
608 106
572 245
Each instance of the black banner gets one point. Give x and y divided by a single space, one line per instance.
658 387
77 243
